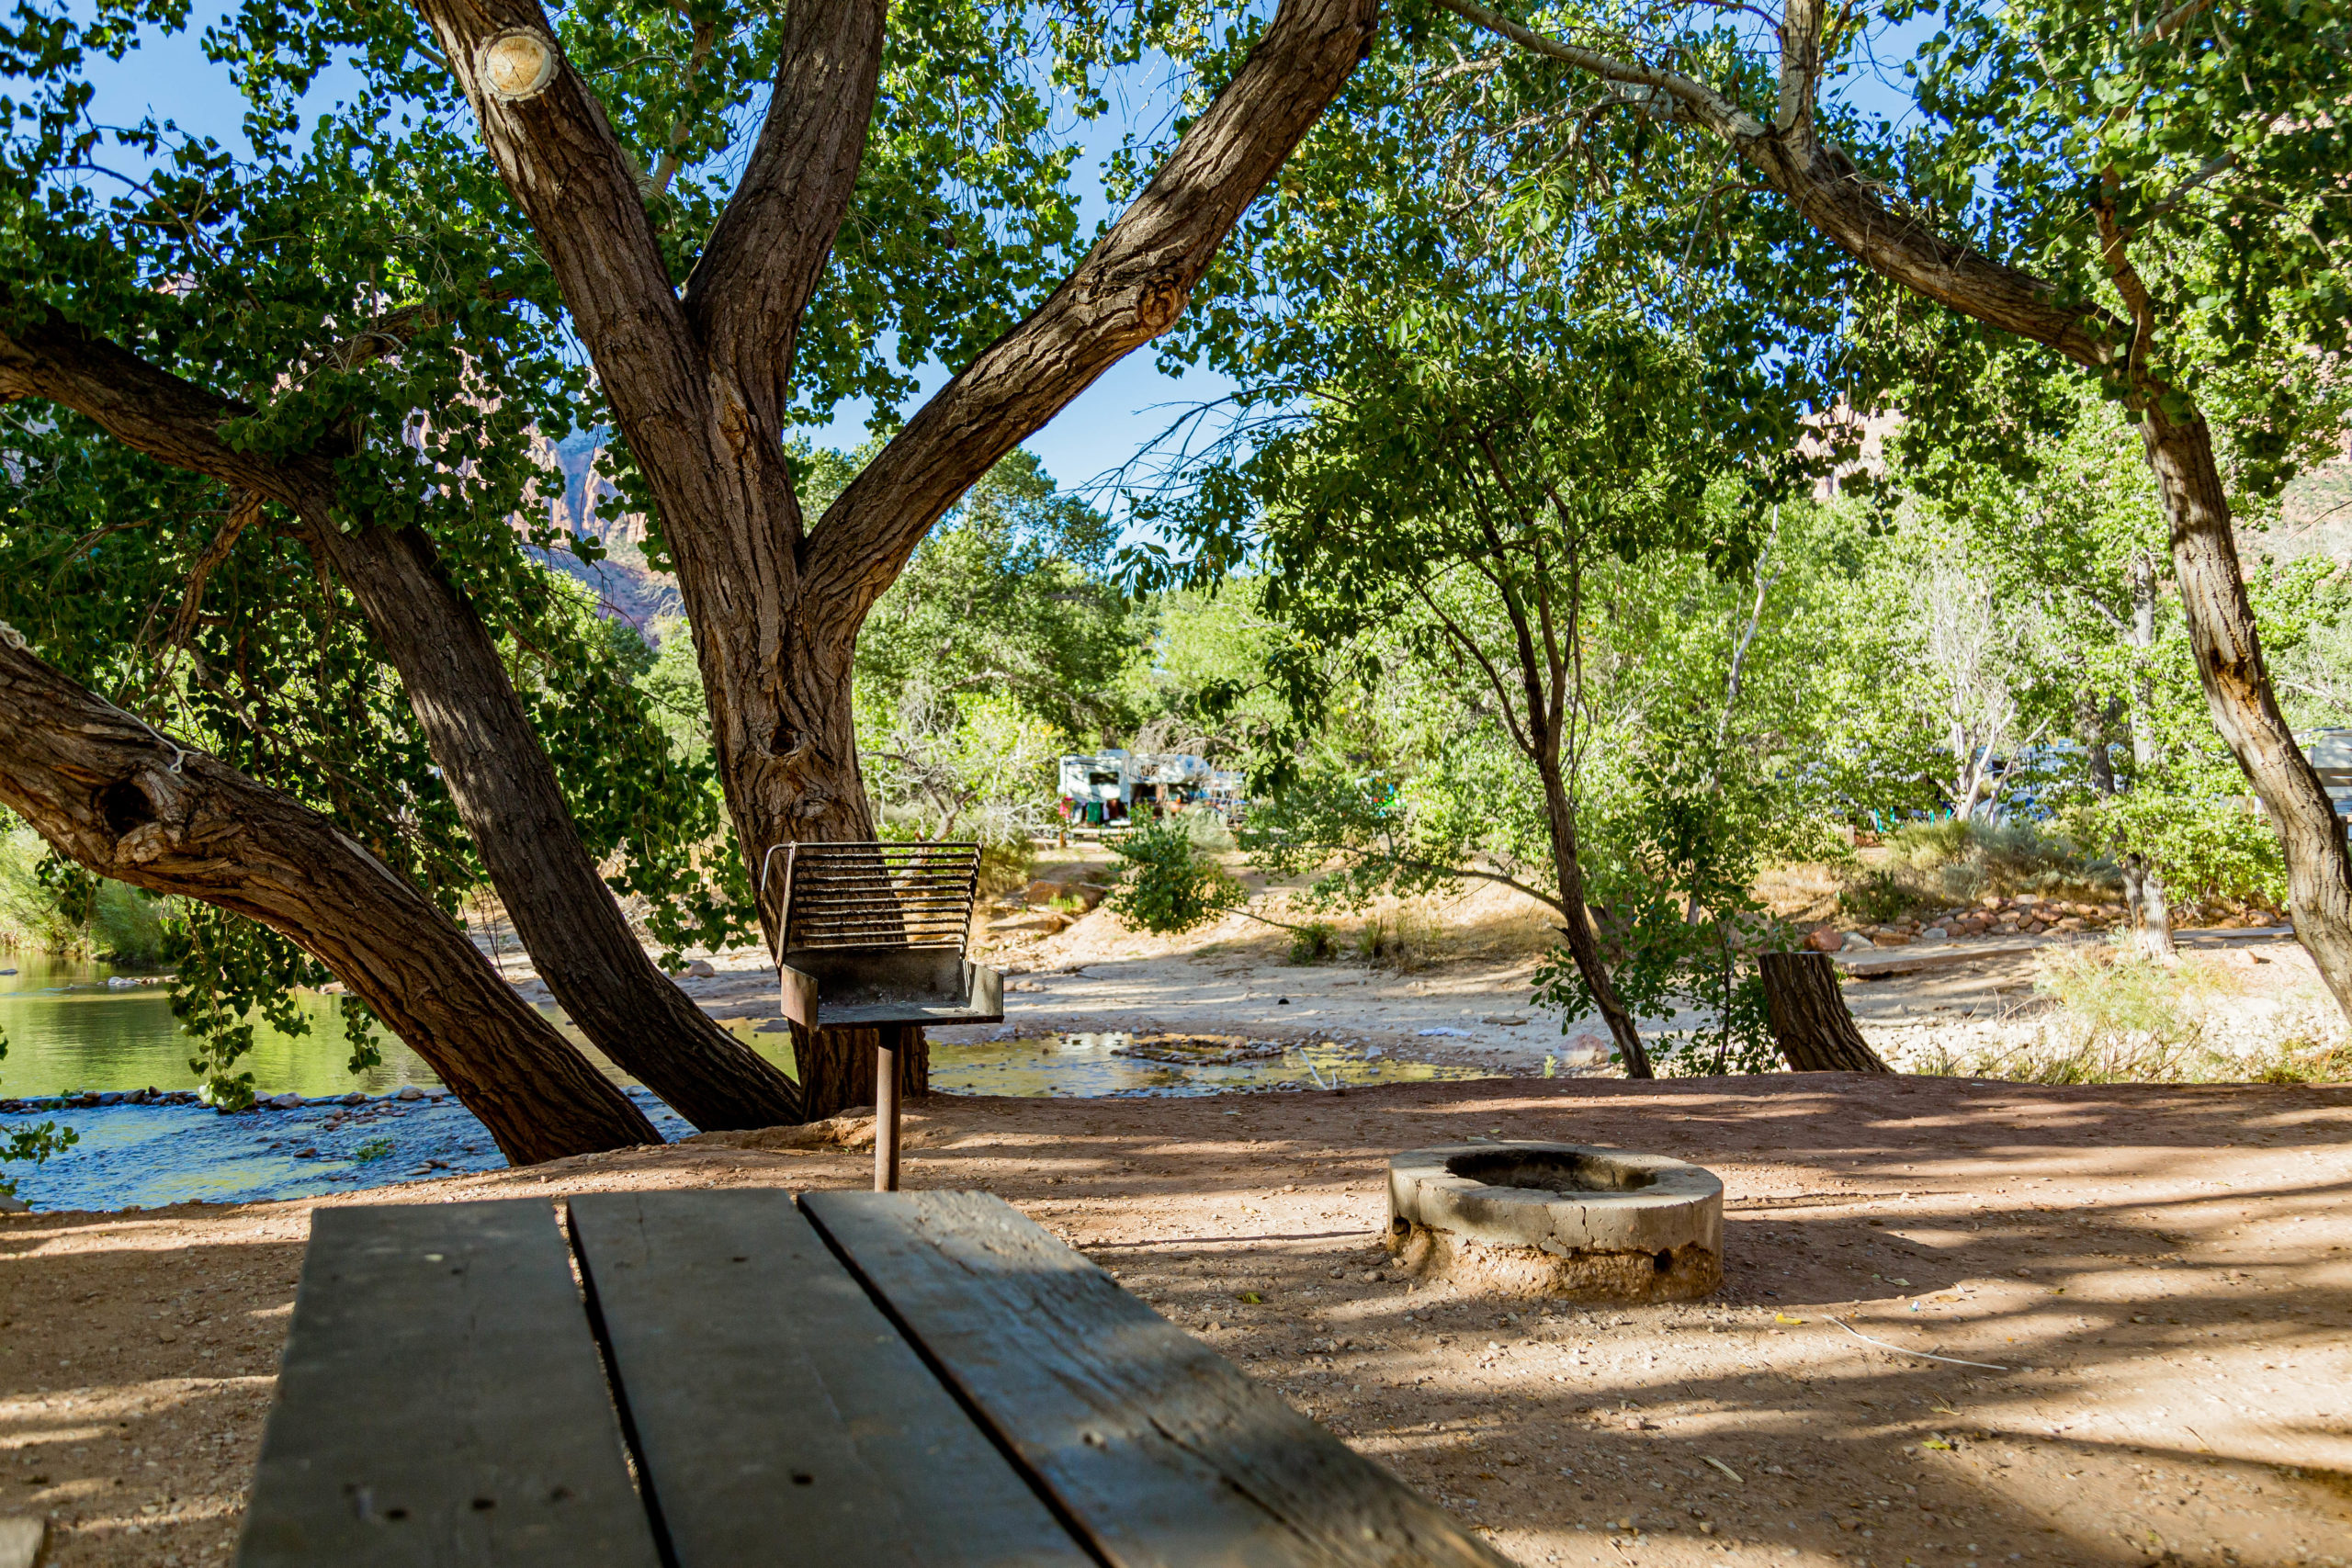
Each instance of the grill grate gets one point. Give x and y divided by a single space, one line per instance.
877 895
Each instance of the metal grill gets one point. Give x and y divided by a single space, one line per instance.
874 895
873 935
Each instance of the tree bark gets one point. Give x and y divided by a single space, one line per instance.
113 795
1811 1021
2237 689
837 1068
1828 191
1583 947
498 776
2148 908
506 794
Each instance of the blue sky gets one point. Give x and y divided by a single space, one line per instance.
1107 425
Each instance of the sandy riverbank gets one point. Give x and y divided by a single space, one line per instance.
2164 1275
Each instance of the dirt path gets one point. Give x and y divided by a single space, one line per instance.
2162 1277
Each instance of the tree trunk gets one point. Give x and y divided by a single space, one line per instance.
2090 730
113 795
1560 817
2141 574
497 775
506 794
837 1068
2237 689
1810 1019
2149 910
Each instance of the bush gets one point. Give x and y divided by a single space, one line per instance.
1168 885
1935 865
1880 894
2208 847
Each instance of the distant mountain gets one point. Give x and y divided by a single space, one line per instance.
627 587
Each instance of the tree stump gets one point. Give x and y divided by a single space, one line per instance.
1810 1021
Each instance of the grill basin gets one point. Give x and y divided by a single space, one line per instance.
874 935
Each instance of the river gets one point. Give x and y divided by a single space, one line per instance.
71 1032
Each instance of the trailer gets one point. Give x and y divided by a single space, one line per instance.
1117 788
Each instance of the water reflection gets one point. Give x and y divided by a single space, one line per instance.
1115 1066
69 1030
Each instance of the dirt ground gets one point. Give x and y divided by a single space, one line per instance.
2158 1281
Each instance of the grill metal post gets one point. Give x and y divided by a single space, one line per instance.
886 1108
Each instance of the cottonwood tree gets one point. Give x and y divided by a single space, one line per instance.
693 300
1451 482
2158 197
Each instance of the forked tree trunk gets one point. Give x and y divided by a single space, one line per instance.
700 382
112 796
1810 1023
2237 689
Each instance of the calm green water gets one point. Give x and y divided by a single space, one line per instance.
67 1029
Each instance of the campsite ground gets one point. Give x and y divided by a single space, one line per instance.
2159 1278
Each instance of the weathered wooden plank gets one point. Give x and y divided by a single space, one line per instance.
781 1418
442 1403
1161 1449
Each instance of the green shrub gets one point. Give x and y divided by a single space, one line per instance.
1880 894
1310 943
1167 887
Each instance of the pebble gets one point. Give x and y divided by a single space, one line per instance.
409 1091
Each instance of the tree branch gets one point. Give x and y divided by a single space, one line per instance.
559 156
1127 291
149 409
1831 194
768 251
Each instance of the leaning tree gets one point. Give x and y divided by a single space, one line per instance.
2159 198
342 340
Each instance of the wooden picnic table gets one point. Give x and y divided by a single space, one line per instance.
736 1377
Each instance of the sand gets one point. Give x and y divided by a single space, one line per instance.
2158 1278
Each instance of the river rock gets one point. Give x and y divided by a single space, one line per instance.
700 969
287 1101
12 1204
409 1091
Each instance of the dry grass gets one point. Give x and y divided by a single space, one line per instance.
2110 1014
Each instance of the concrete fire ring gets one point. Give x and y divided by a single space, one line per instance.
1561 1220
